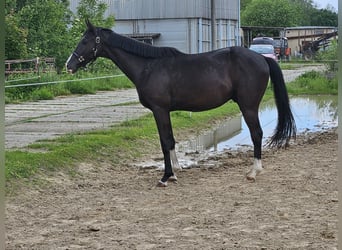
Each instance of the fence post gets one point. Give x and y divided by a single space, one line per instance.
37 65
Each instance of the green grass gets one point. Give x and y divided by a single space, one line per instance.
121 143
313 83
296 64
79 84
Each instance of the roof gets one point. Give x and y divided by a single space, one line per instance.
143 35
310 27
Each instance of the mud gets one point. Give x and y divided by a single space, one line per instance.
292 205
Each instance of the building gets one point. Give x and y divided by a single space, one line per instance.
304 40
188 25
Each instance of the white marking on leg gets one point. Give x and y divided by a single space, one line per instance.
173 178
162 184
256 169
174 160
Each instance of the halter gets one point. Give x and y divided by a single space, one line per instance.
81 59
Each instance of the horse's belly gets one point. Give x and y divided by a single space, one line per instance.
201 99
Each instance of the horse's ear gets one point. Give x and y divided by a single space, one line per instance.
90 26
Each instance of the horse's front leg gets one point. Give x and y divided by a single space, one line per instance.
168 172
167 142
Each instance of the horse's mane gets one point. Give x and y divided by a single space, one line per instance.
138 48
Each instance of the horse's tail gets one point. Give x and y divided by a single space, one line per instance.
286 127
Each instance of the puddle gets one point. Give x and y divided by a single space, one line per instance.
213 139
311 113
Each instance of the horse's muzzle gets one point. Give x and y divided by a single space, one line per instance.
68 69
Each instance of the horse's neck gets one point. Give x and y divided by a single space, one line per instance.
131 65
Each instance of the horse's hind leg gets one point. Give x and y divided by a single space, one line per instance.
252 120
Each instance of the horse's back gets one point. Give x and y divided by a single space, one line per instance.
198 82
246 56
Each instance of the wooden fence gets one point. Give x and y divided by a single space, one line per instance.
36 65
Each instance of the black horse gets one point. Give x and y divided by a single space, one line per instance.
167 80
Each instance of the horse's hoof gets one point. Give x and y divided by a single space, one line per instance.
162 184
173 178
250 177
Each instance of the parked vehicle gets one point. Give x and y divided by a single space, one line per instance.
280 44
266 50
281 48
263 40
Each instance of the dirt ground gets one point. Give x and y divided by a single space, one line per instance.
292 205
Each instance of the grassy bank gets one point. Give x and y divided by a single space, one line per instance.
313 83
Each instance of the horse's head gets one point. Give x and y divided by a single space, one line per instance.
86 51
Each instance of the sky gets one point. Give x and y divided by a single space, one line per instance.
323 3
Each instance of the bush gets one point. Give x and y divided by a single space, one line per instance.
82 85
310 75
329 56
103 65
80 88
313 82
42 94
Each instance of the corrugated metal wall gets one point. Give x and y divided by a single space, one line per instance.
188 35
227 9
155 9
184 24
174 32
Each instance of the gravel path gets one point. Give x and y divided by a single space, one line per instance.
32 121
291 75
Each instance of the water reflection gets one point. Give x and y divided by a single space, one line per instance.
213 138
312 113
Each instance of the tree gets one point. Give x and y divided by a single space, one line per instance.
15 39
324 17
329 56
303 10
93 10
21 3
286 13
47 30
270 13
10 7
244 4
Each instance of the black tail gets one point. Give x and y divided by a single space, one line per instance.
286 127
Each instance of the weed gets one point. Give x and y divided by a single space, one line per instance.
313 82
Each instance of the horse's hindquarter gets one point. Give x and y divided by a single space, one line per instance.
249 73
